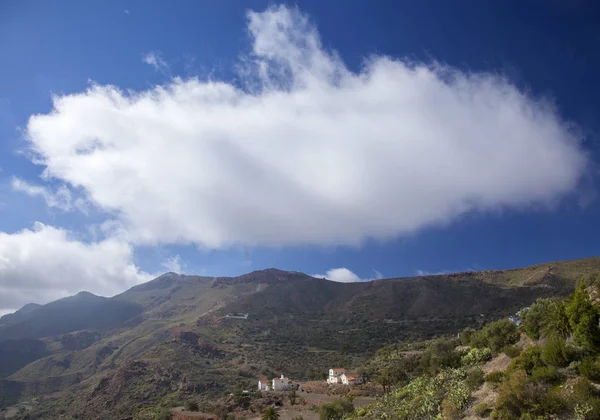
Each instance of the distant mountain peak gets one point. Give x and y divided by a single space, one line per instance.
85 294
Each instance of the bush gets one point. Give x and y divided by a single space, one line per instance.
476 356
450 410
496 335
521 397
474 378
191 405
494 377
584 401
482 409
438 355
466 336
529 359
589 367
554 352
336 410
511 351
535 318
546 374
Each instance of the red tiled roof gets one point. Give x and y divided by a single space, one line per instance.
337 369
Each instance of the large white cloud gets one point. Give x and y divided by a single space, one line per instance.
306 151
45 263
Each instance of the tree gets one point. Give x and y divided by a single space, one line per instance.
500 333
557 321
583 319
270 413
439 354
384 379
292 397
535 318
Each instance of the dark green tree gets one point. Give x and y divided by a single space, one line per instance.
583 318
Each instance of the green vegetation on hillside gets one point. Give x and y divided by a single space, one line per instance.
552 379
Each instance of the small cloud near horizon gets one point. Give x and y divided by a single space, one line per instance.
344 275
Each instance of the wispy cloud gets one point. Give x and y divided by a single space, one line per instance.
173 264
61 198
155 60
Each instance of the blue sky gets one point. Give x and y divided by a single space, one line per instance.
387 138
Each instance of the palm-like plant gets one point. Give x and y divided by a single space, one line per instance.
270 413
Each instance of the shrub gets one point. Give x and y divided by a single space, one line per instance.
589 367
336 410
482 409
476 356
521 397
466 336
450 410
474 378
438 355
557 321
554 352
496 335
584 401
494 377
512 351
546 374
535 318
191 405
529 359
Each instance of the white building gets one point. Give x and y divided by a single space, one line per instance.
351 379
281 384
264 384
335 375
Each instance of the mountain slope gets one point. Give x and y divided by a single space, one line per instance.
297 324
19 315
82 311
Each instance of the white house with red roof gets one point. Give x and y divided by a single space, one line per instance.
335 375
281 384
351 379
